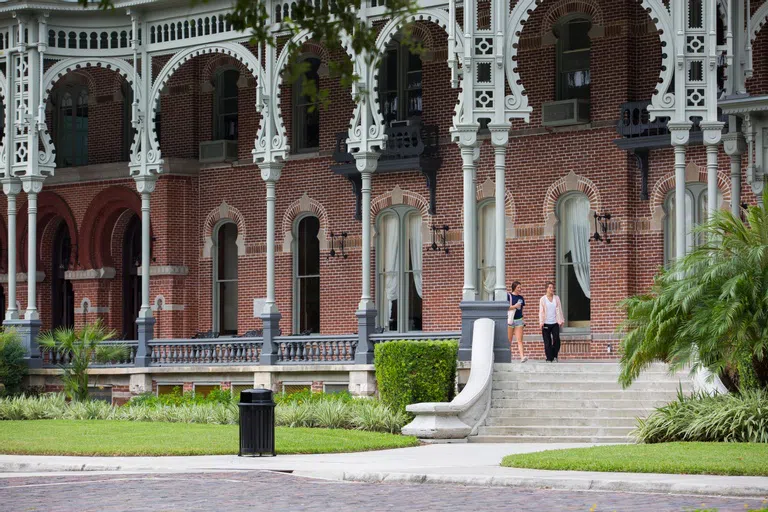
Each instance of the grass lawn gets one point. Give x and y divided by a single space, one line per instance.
97 437
678 458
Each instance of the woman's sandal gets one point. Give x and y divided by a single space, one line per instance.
524 359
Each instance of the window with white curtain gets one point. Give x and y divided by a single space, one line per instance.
399 269
573 280
486 249
72 126
306 288
225 279
695 214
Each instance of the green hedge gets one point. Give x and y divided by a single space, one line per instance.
12 365
409 372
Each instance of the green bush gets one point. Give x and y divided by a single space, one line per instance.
409 372
176 398
308 396
329 412
733 417
12 365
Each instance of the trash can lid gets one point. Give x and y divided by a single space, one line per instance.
256 396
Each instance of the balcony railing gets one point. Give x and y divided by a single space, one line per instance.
55 358
220 351
316 349
635 121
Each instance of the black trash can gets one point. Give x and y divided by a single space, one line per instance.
257 422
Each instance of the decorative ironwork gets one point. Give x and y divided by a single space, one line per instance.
601 226
342 237
437 236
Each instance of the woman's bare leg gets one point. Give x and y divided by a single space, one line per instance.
510 335
519 336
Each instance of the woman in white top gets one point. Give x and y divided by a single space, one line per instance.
551 319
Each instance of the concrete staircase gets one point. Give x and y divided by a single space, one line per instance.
569 402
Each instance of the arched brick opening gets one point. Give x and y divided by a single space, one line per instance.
224 211
49 206
305 205
561 8
569 183
398 196
99 224
693 174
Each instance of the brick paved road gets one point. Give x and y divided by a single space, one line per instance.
277 492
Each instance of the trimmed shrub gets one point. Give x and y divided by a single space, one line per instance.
12 366
733 417
409 372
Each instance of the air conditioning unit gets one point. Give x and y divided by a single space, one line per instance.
216 151
565 112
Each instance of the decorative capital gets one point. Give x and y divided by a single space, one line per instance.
270 171
465 134
11 186
499 133
366 161
32 184
145 184
680 132
734 144
712 132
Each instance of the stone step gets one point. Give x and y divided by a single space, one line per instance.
582 413
596 421
583 376
586 403
544 395
549 439
586 385
542 366
550 431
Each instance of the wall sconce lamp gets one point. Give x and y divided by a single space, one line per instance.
342 237
601 226
437 236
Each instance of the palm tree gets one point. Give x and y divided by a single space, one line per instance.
710 309
83 347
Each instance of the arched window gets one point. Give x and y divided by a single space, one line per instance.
62 295
399 266
306 259
306 116
695 214
72 127
225 107
573 279
486 249
573 58
225 279
400 84
131 278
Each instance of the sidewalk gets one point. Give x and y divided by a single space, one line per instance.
459 464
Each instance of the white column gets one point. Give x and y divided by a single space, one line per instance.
679 201
146 263
365 205
500 138
270 173
469 292
270 305
32 313
734 146
366 163
712 204
11 189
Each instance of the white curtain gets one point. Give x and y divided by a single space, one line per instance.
414 235
390 265
576 213
488 249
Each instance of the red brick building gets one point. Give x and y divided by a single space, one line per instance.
589 69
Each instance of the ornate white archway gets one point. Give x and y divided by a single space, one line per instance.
662 102
234 50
